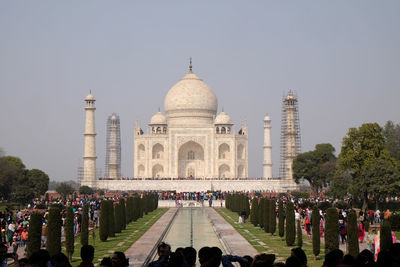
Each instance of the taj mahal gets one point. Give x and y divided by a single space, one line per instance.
187 148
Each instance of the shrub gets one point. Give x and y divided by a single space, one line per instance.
267 214
386 235
290 224
34 233
85 225
272 217
394 220
299 234
69 233
281 218
103 227
331 230
352 234
123 213
53 242
254 211
111 221
117 218
315 220
261 208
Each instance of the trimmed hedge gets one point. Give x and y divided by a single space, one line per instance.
34 233
299 234
69 233
290 224
103 221
315 220
261 212
272 217
254 211
331 230
281 218
386 240
352 234
85 225
53 242
111 218
267 213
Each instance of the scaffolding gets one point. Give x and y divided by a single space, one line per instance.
290 134
113 148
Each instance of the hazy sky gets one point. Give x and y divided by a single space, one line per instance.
341 57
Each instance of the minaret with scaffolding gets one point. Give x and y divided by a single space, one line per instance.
290 139
113 148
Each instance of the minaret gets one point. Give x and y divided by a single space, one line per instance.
89 156
290 137
113 152
267 164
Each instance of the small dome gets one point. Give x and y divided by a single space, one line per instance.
89 97
267 118
223 118
114 117
192 95
158 118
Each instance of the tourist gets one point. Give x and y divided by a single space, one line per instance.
163 251
87 256
60 260
119 260
361 232
190 256
308 225
4 255
387 214
301 255
106 262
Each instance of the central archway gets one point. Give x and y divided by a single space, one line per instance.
191 160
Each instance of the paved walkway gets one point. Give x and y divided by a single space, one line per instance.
146 244
234 243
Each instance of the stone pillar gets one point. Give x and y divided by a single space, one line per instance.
267 164
89 156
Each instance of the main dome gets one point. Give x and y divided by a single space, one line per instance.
190 96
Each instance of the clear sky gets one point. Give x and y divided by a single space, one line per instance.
341 57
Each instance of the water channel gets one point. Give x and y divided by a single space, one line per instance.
192 228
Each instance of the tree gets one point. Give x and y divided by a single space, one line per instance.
69 233
360 148
111 218
352 234
386 240
64 190
261 209
86 190
290 224
339 184
266 214
34 233
103 227
85 225
11 171
331 230
281 218
23 192
391 134
315 220
117 218
312 166
123 213
53 242
254 211
272 217
299 234
39 181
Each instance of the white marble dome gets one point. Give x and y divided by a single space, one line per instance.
158 118
89 97
223 118
190 95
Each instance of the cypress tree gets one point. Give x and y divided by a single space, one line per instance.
103 227
69 233
117 217
290 224
85 225
315 220
53 242
34 233
254 211
386 240
266 213
299 234
352 234
123 213
128 210
272 217
331 230
246 206
111 218
261 213
281 218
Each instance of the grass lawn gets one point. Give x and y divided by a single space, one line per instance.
397 235
121 242
265 243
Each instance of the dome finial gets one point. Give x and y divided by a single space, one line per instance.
190 65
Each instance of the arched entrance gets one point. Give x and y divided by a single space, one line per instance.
191 160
